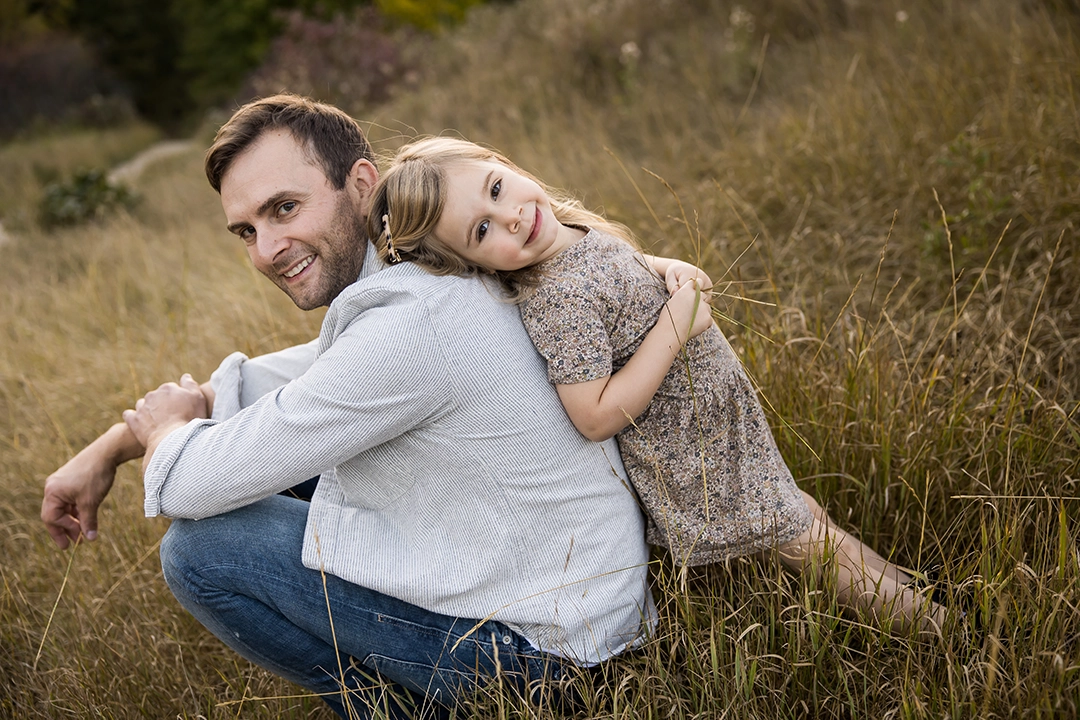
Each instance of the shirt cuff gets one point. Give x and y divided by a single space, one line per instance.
227 382
166 454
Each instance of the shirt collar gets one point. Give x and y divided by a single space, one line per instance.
372 262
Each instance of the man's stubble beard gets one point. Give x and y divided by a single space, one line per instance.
341 258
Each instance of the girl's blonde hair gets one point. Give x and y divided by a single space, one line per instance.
408 201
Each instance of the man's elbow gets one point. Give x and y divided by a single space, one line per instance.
176 503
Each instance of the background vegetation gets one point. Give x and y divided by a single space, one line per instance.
171 59
890 195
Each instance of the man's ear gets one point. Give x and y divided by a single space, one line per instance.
360 183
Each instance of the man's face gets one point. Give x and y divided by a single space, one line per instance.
305 236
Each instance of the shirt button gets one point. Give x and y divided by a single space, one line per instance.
506 639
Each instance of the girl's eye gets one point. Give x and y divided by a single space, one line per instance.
496 188
286 207
481 230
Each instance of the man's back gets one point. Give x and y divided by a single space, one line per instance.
452 479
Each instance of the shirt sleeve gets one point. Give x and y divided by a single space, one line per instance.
349 400
566 324
239 381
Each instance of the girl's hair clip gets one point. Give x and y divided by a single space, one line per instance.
391 251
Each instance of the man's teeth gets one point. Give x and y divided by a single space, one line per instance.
296 270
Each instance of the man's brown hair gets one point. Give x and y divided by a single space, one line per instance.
333 139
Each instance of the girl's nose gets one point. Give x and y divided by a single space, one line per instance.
513 220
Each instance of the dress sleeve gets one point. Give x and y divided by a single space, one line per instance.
566 324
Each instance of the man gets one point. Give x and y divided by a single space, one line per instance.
461 530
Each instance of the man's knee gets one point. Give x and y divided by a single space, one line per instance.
177 558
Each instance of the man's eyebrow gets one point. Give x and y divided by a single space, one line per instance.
266 206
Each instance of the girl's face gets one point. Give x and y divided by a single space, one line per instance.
498 219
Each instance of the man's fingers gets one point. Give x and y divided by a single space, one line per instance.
88 521
64 531
188 383
59 537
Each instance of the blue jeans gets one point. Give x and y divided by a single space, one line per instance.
240 575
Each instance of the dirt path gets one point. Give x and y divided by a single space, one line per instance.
129 172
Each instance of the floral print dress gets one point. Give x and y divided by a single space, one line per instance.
701 456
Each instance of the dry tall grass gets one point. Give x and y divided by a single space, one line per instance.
894 200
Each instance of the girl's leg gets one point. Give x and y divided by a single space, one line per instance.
866 581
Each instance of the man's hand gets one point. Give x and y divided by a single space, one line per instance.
74 492
168 408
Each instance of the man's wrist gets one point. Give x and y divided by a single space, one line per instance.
117 445
155 438
161 432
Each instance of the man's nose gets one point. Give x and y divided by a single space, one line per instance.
269 242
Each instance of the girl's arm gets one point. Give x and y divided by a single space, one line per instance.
602 407
677 273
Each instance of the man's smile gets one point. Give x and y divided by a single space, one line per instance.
298 268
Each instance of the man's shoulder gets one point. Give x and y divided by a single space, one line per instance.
407 280
410 292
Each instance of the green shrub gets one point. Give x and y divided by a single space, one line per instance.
88 194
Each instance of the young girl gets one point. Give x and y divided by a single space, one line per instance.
633 352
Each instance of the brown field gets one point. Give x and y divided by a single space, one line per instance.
891 201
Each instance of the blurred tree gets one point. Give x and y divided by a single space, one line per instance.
177 57
50 76
141 42
426 14
224 42
12 16
22 19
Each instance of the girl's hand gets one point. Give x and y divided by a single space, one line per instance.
678 273
689 310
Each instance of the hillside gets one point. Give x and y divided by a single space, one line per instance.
889 198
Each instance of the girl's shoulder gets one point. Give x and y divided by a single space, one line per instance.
598 268
590 253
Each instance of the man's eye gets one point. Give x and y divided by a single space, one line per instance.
496 188
247 234
481 230
286 207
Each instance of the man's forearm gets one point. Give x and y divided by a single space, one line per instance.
117 445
